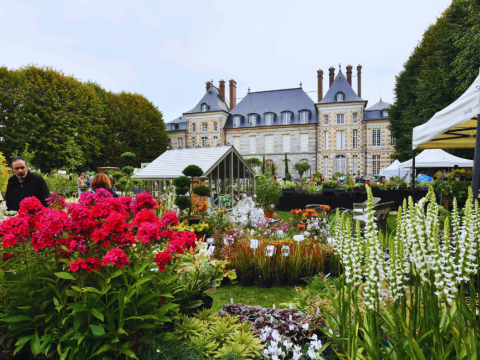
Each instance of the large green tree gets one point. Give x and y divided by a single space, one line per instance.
442 66
134 125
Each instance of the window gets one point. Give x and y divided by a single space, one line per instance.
376 137
194 127
269 119
253 145
339 97
204 127
304 117
355 139
236 142
286 143
325 140
385 113
236 121
194 143
355 164
215 141
340 118
325 119
303 142
341 140
252 120
340 164
204 141
269 144
355 118
376 164
325 166
179 143
204 107
392 140
286 118
215 128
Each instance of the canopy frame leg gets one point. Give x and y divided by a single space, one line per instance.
476 161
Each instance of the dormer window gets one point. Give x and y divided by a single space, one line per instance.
236 121
385 113
304 116
269 119
252 120
286 118
204 107
339 97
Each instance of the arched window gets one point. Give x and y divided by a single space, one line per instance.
236 121
204 107
385 113
304 116
269 118
252 119
340 164
339 96
286 118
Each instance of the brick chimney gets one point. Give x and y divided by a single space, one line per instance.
233 94
349 74
208 83
320 85
359 79
331 74
222 89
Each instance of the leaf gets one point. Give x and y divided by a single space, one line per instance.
22 341
127 352
91 289
133 317
104 348
16 318
64 355
76 288
35 344
98 315
55 301
65 275
97 330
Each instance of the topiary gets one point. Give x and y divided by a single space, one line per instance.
193 171
117 176
182 182
183 202
202 190
128 170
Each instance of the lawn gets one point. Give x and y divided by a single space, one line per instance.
254 295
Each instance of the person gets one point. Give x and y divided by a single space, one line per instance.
24 184
100 181
82 184
424 177
112 182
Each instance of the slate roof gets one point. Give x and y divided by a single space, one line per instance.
179 123
340 84
213 100
379 105
274 101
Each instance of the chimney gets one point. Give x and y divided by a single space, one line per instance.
320 85
208 85
349 74
222 89
331 74
233 94
359 79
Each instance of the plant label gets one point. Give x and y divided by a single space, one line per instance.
231 301
211 249
254 243
289 317
273 306
285 250
210 241
298 238
269 250
290 306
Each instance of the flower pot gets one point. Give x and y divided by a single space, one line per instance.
293 281
256 279
265 283
246 281
200 235
268 214
277 282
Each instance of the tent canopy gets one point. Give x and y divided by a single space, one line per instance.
453 127
436 158
394 170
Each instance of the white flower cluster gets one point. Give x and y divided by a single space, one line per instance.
396 272
246 212
5 214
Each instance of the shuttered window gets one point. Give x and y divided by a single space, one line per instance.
253 144
268 119
341 140
355 164
236 142
304 117
326 140
304 142
286 143
269 144
325 166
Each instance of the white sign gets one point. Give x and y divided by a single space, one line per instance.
211 249
231 300
270 250
210 241
289 317
285 250
254 243
298 237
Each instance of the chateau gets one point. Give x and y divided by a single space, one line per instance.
336 134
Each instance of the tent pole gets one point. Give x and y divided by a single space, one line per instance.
476 161
413 176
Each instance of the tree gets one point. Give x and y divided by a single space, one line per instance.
288 176
254 162
264 167
273 169
301 167
441 67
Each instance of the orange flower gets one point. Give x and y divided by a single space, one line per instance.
301 226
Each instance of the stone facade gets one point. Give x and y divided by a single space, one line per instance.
241 139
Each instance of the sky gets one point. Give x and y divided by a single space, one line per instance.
167 50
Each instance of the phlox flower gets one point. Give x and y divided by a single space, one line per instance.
169 219
115 257
145 216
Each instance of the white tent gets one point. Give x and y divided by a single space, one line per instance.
394 170
436 158
454 127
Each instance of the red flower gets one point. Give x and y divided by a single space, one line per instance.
30 206
163 258
148 232
143 201
145 216
7 256
169 218
13 230
115 257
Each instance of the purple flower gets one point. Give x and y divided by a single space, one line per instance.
272 206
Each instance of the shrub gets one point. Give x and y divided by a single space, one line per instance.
128 170
182 181
301 167
193 171
201 190
183 202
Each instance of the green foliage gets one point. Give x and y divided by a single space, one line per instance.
301 167
121 184
254 162
219 338
117 175
264 168
182 181
170 350
441 67
5 173
128 155
193 171
268 191
181 190
183 202
128 170
350 182
202 190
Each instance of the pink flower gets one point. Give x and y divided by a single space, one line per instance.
272 206
115 257
274 214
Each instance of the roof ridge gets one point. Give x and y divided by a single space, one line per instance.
257 92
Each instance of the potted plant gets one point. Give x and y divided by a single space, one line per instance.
264 266
295 265
243 261
183 186
268 193
328 187
278 268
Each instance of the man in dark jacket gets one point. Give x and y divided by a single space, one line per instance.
24 184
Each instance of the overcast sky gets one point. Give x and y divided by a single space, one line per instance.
167 50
